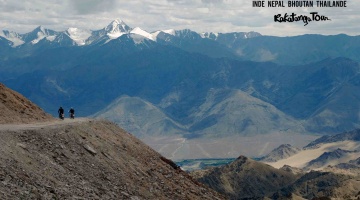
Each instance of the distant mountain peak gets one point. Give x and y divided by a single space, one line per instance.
41 29
119 21
139 31
14 37
38 34
210 35
187 33
164 34
169 31
282 152
117 28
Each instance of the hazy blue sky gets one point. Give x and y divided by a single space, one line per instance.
151 15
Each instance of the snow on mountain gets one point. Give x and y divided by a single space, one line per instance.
15 38
78 35
138 31
32 37
164 35
155 34
51 37
209 35
169 31
117 28
41 34
243 35
230 36
114 30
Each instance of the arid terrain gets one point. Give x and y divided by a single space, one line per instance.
82 159
245 178
326 168
15 108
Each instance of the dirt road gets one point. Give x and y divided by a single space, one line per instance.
56 122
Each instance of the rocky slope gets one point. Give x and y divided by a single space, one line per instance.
84 159
248 179
15 108
349 168
321 185
88 160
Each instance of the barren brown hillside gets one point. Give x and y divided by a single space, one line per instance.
88 159
15 108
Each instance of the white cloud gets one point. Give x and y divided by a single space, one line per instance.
151 15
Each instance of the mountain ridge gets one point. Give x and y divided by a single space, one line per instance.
114 30
240 45
248 179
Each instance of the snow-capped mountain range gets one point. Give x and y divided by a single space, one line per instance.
114 30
